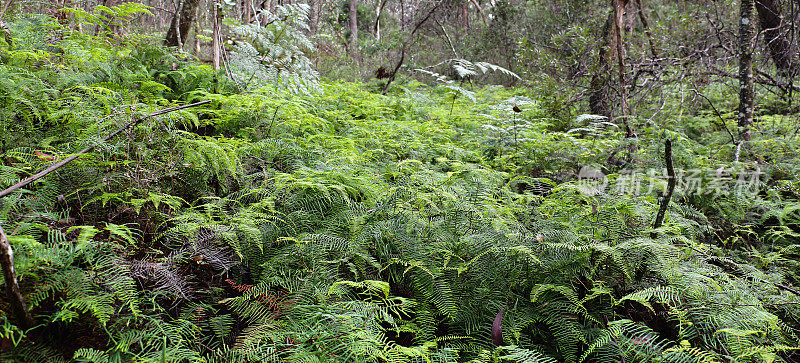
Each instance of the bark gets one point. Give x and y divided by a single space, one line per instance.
465 14
313 16
598 100
619 15
216 38
379 10
18 307
747 33
162 17
611 48
6 32
181 23
779 46
197 31
247 11
354 27
402 15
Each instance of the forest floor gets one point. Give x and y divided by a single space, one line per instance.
430 224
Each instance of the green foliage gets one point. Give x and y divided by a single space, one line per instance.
275 55
277 225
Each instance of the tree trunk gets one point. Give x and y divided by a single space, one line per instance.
402 15
747 33
465 14
248 11
18 306
619 15
779 46
379 10
313 16
198 30
181 23
598 100
353 27
216 41
610 48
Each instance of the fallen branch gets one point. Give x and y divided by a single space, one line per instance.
60 164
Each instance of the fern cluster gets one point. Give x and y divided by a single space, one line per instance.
277 223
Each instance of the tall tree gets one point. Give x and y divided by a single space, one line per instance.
354 27
780 48
379 11
181 23
247 13
197 30
315 7
747 33
609 49
216 40
619 16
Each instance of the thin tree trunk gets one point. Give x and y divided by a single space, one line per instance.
176 26
216 41
354 28
379 10
779 46
619 14
198 30
313 16
611 47
747 32
181 23
248 12
402 15
406 43
162 15
598 99
646 26
18 307
465 14
6 32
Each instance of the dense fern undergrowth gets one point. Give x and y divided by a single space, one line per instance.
337 224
